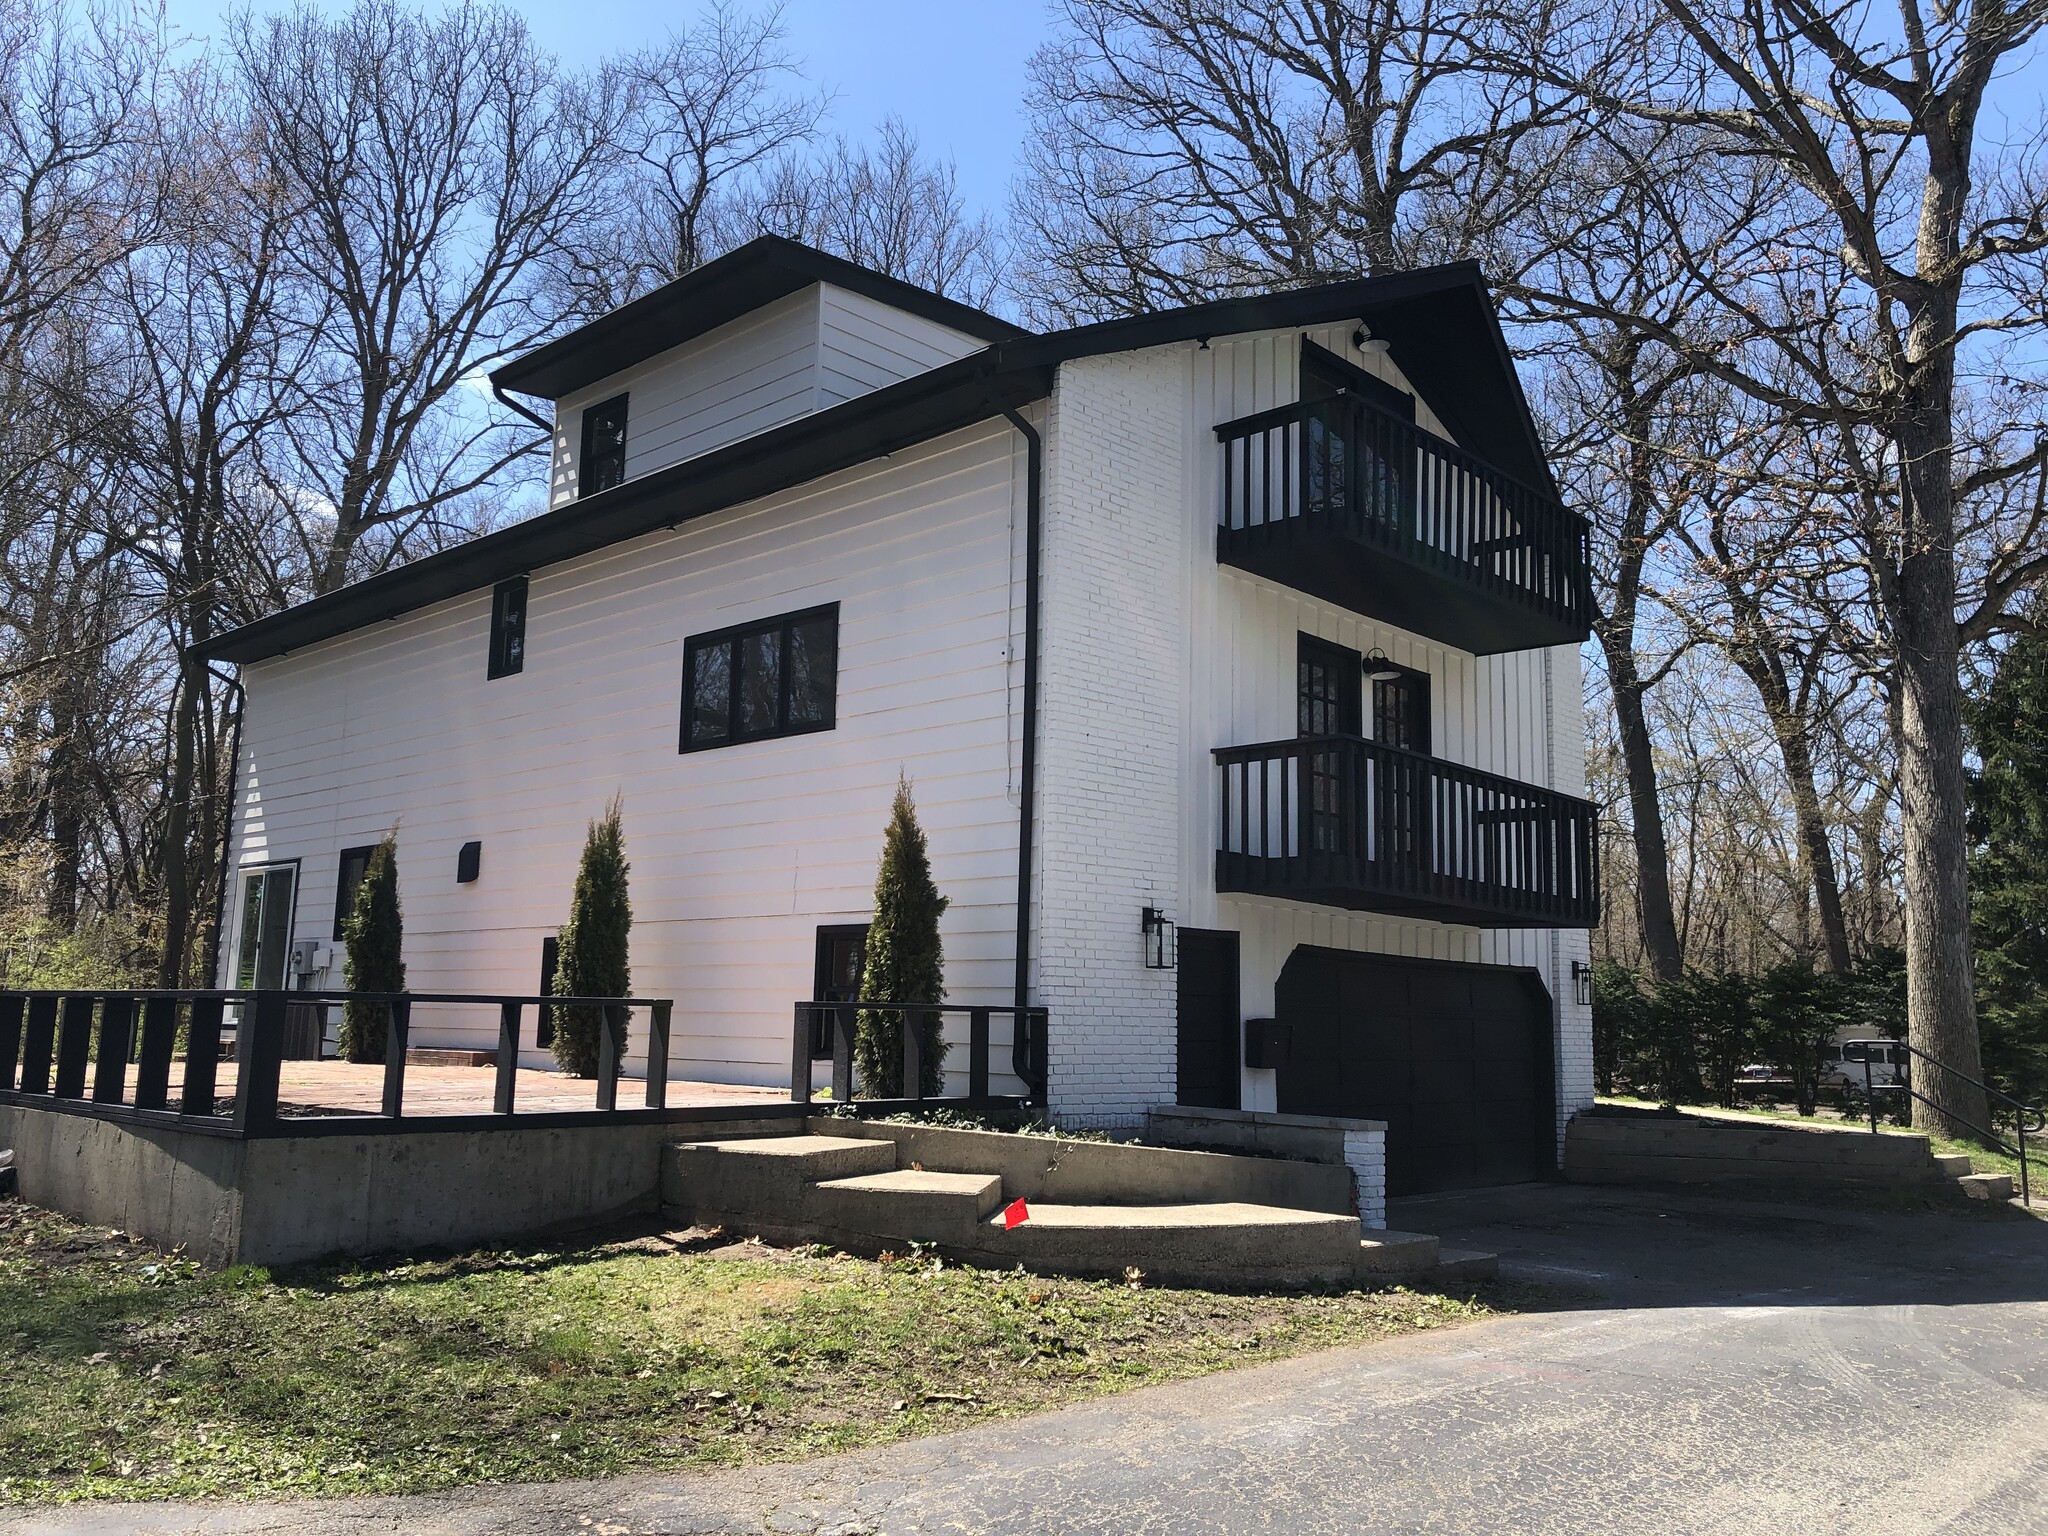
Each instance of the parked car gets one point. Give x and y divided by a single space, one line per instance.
1845 1070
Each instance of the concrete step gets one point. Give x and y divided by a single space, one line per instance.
1465 1264
1987 1186
1228 1244
1953 1165
909 1203
1393 1255
762 1176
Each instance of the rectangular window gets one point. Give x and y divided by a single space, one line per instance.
603 464
1400 710
777 677
1328 688
508 627
266 927
355 863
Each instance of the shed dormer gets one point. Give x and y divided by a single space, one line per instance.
768 333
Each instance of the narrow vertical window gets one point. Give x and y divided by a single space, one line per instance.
1400 711
604 447
508 627
355 863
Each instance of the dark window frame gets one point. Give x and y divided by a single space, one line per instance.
1419 683
614 459
782 625
822 983
503 664
344 888
1348 667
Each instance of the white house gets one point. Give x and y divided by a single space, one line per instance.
1261 616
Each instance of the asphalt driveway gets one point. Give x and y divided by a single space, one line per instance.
1734 1367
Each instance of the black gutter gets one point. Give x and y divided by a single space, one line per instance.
1027 773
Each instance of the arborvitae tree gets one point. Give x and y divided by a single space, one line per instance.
592 959
2009 864
375 936
903 961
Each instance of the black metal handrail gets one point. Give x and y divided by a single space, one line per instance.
833 1023
1378 478
49 1039
1321 812
2028 1119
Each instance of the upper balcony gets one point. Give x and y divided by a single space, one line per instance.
1352 504
1346 822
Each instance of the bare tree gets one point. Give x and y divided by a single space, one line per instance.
706 115
886 207
1189 148
1908 237
441 163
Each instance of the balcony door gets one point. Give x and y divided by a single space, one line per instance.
1401 785
1354 457
1329 694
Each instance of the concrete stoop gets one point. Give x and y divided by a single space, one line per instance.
849 1191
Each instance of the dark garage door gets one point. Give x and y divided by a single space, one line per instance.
1455 1058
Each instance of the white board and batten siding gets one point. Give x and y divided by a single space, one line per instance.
808 350
1139 437
738 854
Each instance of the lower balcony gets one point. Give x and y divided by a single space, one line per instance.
1346 822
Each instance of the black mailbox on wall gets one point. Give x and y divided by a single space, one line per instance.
469 863
1267 1042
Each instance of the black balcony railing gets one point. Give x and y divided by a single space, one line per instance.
1346 822
1354 504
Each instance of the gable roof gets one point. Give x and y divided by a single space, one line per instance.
1439 324
737 283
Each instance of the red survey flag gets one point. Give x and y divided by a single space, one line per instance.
1015 1214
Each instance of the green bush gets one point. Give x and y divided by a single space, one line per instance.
904 960
592 960
375 936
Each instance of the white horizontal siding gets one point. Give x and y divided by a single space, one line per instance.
750 374
864 344
738 854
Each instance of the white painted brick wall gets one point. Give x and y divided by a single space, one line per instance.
1111 795
1365 1154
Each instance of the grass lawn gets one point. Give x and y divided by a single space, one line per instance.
128 1374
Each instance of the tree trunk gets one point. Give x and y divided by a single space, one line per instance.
178 893
1646 815
1941 1009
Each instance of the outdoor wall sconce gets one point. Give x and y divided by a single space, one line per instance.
469 863
1378 669
1582 984
1161 940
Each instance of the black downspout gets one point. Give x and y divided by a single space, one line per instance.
1034 453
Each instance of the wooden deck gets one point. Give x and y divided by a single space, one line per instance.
340 1087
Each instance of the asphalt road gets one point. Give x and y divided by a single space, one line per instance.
1736 1368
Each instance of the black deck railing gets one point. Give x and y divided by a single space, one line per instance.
1367 475
1348 822
826 1029
71 1050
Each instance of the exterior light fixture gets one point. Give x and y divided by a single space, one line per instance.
1378 669
1162 947
1582 984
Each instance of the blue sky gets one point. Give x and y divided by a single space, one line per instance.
952 69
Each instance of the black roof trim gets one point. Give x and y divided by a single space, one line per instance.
737 283
867 427
1439 324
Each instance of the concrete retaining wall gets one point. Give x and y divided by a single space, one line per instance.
1359 1145
1648 1149
287 1200
1064 1172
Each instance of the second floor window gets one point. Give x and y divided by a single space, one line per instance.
603 464
508 627
775 677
